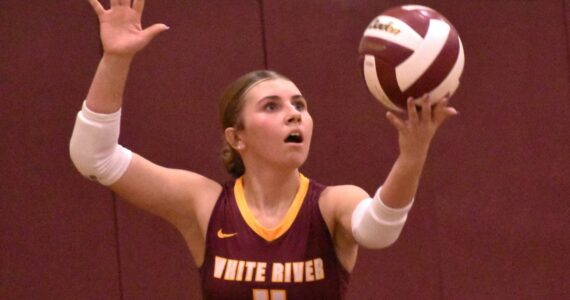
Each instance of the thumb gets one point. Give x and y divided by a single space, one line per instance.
152 31
395 121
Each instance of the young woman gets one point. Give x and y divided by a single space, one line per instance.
271 233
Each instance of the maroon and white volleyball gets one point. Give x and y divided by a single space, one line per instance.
408 51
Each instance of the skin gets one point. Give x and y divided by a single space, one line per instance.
273 109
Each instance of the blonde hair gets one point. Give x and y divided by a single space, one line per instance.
231 106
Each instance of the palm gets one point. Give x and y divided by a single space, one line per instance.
121 31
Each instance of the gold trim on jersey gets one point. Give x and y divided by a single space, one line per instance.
271 234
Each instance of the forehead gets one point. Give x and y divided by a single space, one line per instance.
280 87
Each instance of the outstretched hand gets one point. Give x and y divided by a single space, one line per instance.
120 27
415 133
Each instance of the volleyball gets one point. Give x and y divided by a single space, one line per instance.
408 51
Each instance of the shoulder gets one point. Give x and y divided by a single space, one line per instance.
335 200
337 204
343 193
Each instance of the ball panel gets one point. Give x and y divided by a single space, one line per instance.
427 11
412 68
373 82
414 19
387 51
388 81
439 68
450 84
415 7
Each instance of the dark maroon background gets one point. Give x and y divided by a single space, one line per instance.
491 219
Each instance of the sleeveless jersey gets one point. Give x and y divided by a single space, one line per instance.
295 260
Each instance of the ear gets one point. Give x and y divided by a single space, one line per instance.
233 139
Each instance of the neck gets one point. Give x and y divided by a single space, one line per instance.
270 192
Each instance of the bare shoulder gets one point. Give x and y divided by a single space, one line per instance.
203 192
343 193
340 198
337 204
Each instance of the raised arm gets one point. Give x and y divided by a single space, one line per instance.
122 38
376 222
94 149
414 135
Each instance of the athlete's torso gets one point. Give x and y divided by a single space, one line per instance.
296 260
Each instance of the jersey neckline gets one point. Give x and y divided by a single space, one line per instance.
271 234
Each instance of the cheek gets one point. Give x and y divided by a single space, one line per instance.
261 129
309 125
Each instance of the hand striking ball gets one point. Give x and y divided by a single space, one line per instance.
408 51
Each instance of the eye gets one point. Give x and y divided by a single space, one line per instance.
300 105
270 106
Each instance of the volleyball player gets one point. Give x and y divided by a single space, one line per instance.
271 233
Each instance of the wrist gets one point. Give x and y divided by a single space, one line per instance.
417 158
112 59
106 92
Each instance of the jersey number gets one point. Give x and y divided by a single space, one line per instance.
263 294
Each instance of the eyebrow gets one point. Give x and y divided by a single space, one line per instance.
275 97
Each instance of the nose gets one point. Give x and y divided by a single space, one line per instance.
294 116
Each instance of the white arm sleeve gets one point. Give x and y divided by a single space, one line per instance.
94 147
375 225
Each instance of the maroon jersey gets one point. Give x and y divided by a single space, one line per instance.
295 260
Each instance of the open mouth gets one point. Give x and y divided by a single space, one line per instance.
294 137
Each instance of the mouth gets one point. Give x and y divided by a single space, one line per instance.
294 137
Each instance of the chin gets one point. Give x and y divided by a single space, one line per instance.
296 161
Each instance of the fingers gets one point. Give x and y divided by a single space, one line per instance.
412 111
97 7
152 31
395 121
122 2
138 5
442 111
426 108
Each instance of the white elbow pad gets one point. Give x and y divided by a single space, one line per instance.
94 147
375 225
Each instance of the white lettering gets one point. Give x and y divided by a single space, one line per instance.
319 269
231 270
298 271
219 265
277 272
278 295
241 270
249 266
259 294
287 272
239 274
260 272
309 271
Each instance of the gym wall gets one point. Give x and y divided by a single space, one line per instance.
490 217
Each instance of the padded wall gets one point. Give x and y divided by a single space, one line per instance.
58 237
490 216
502 187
